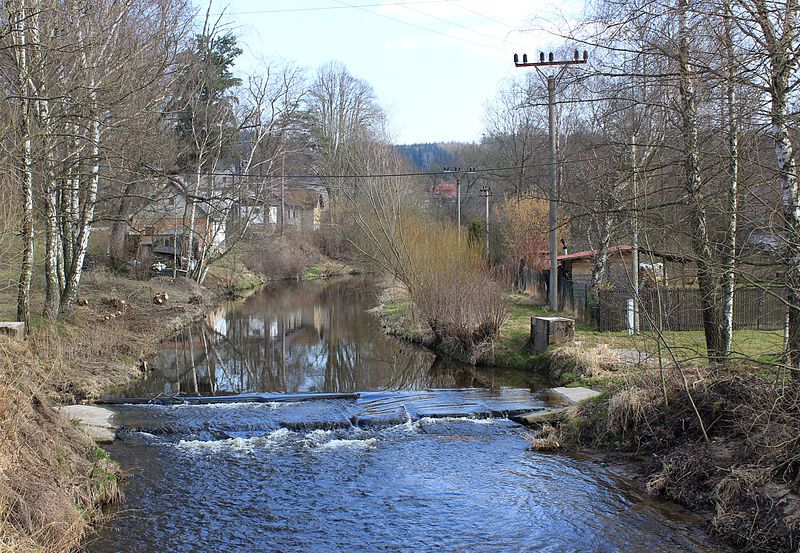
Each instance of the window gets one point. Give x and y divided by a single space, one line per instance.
273 215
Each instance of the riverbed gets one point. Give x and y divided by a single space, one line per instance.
335 437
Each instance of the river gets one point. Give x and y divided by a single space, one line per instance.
322 434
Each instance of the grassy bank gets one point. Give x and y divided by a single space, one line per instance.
745 475
744 472
53 480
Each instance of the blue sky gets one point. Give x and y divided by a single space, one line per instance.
433 63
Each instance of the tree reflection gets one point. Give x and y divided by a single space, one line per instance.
298 337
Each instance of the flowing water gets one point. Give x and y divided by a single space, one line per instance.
318 433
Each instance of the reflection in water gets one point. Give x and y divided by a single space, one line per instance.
299 337
411 469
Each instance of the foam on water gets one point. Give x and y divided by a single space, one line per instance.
356 444
237 444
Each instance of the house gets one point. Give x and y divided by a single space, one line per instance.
661 268
445 191
300 203
303 207
160 231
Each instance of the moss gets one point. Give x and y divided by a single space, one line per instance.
39 325
127 359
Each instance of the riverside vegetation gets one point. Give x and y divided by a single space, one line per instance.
728 448
682 148
53 479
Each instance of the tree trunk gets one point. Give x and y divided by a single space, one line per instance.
52 291
86 212
780 40
119 229
20 38
700 239
787 171
729 275
601 261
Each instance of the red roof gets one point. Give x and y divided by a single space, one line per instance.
445 190
588 254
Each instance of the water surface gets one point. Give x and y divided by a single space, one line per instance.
302 337
421 458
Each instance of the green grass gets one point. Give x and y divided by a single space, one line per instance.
512 350
760 346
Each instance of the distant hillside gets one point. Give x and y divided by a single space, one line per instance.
427 157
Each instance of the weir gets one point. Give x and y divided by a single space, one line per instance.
290 422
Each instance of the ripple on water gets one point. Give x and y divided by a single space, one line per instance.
433 484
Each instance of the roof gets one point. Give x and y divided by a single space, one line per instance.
445 190
304 198
589 254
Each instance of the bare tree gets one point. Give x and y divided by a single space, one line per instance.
774 30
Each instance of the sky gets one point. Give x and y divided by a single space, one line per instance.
434 64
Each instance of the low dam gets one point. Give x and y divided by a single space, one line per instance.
317 433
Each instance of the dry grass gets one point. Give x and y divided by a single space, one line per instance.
747 474
594 361
546 439
101 346
52 478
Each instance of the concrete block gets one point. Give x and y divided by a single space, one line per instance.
14 330
571 396
551 330
96 421
551 414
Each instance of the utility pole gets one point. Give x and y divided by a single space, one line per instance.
459 175
283 186
551 112
486 191
635 238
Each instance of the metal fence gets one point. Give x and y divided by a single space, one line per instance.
680 309
667 308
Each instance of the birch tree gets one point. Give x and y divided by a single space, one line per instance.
774 30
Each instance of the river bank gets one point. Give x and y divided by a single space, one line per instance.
53 479
743 475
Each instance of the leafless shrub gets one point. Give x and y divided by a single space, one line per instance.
279 257
332 243
454 294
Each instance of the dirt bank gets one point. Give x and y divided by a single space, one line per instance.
745 476
53 480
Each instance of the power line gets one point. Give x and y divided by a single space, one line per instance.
457 24
428 29
325 8
390 175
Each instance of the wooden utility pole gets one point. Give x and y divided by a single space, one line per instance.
459 175
551 112
486 191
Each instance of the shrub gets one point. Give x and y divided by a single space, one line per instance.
454 294
279 257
